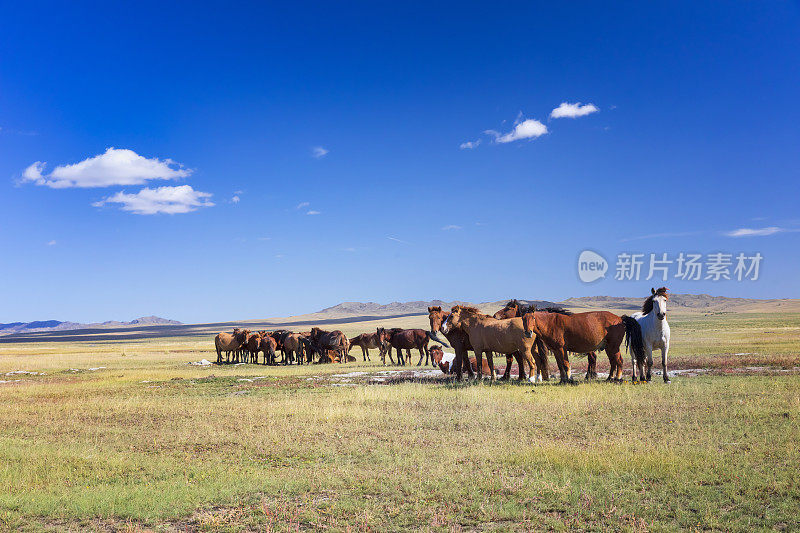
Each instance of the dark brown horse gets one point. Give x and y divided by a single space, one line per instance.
579 333
457 338
329 344
512 310
406 339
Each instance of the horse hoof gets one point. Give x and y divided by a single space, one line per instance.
667 380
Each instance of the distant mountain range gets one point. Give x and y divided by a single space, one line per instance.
57 325
416 307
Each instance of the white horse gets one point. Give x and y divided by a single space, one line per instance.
647 331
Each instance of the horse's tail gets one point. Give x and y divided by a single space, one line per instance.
634 342
432 336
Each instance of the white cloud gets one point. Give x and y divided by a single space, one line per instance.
170 200
312 212
395 239
114 167
265 238
301 205
758 232
235 199
319 151
51 243
527 129
450 227
469 145
566 110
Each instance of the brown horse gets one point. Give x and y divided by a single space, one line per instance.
229 342
251 347
293 348
406 339
267 345
579 333
366 341
488 334
329 344
512 310
447 362
457 338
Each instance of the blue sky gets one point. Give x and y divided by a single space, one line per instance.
360 114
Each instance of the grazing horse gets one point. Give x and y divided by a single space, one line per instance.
579 333
447 361
647 331
488 334
407 339
325 342
229 342
366 341
513 309
457 338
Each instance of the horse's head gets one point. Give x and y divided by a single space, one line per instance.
511 310
453 320
529 320
383 335
436 317
436 353
659 298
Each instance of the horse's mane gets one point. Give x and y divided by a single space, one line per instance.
471 311
647 306
559 310
512 303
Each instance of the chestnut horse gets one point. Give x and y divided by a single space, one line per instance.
488 334
512 310
458 339
366 341
406 339
579 333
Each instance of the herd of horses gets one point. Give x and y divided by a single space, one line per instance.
518 331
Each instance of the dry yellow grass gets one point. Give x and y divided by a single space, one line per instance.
151 442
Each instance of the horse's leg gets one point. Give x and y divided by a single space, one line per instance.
389 351
648 355
509 361
520 364
591 365
408 357
421 355
664 351
479 364
490 359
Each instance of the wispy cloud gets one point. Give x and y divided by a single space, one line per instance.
760 232
312 212
662 235
318 152
114 167
395 239
567 110
527 129
169 200
235 199
301 205
349 249
51 243
469 145
265 238
450 227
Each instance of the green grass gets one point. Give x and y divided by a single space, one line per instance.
197 449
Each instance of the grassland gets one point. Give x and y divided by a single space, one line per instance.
149 442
